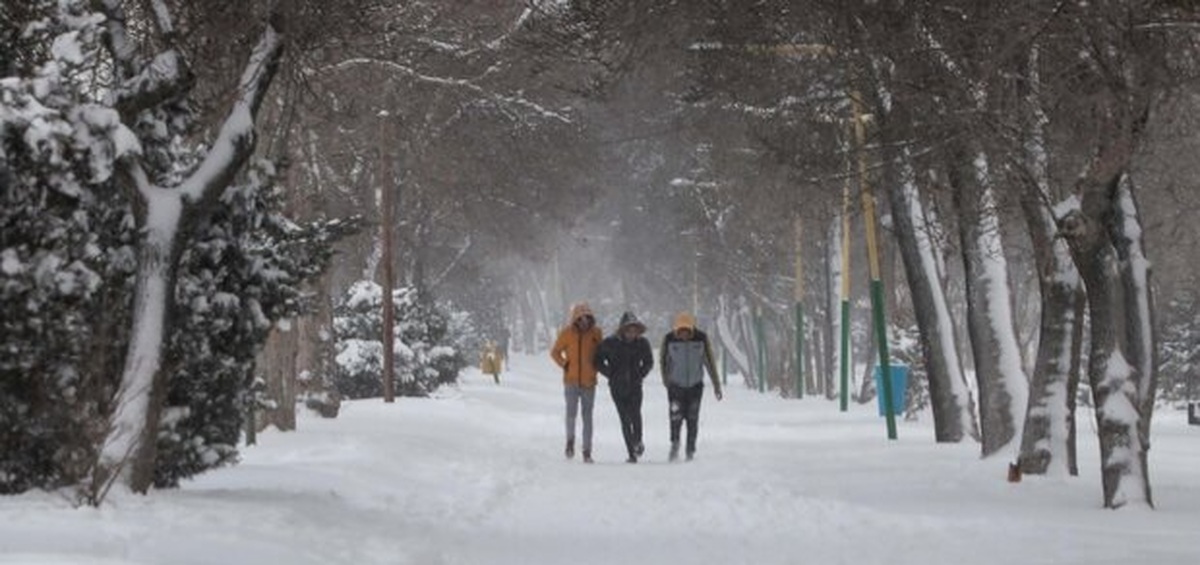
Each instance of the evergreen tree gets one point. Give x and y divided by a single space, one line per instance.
428 347
1180 349
65 253
242 276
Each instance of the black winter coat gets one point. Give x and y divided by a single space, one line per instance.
624 363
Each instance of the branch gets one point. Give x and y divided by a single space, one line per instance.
235 142
164 78
123 52
162 19
167 76
454 82
976 90
437 280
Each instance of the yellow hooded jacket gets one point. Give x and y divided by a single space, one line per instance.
575 351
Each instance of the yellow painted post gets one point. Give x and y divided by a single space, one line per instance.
877 306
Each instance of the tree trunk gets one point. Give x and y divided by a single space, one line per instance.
1048 437
1003 387
129 448
1105 241
280 361
866 386
318 354
1049 434
949 396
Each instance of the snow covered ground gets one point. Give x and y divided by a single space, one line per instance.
478 476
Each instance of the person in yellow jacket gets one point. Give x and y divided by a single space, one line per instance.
490 361
575 351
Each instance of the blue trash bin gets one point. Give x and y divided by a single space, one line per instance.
899 374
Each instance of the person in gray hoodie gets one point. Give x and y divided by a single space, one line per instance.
625 358
685 354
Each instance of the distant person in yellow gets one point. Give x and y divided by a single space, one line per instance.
575 352
685 354
490 362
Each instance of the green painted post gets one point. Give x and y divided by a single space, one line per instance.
845 365
844 381
762 349
885 366
799 350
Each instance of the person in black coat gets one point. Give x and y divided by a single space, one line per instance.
625 358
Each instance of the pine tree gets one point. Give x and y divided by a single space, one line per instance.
428 347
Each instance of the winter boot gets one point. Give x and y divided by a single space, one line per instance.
674 451
587 456
570 448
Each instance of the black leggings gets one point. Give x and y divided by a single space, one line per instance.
685 405
629 408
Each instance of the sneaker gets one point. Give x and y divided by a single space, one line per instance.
639 449
570 448
674 456
587 456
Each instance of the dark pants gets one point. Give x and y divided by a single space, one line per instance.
629 408
685 405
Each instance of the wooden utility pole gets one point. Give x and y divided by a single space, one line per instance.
385 237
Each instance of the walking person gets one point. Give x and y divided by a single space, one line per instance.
490 361
575 352
625 358
685 354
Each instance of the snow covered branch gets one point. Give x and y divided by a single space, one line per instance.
466 84
139 87
235 142
162 19
167 76
123 50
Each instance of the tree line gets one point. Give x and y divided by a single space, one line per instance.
1029 160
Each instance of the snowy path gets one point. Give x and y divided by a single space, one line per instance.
478 477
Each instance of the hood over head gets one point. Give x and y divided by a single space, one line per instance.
629 319
579 310
684 320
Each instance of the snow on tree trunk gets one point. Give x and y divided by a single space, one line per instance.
1003 386
1048 440
1105 239
950 397
128 452
1135 280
